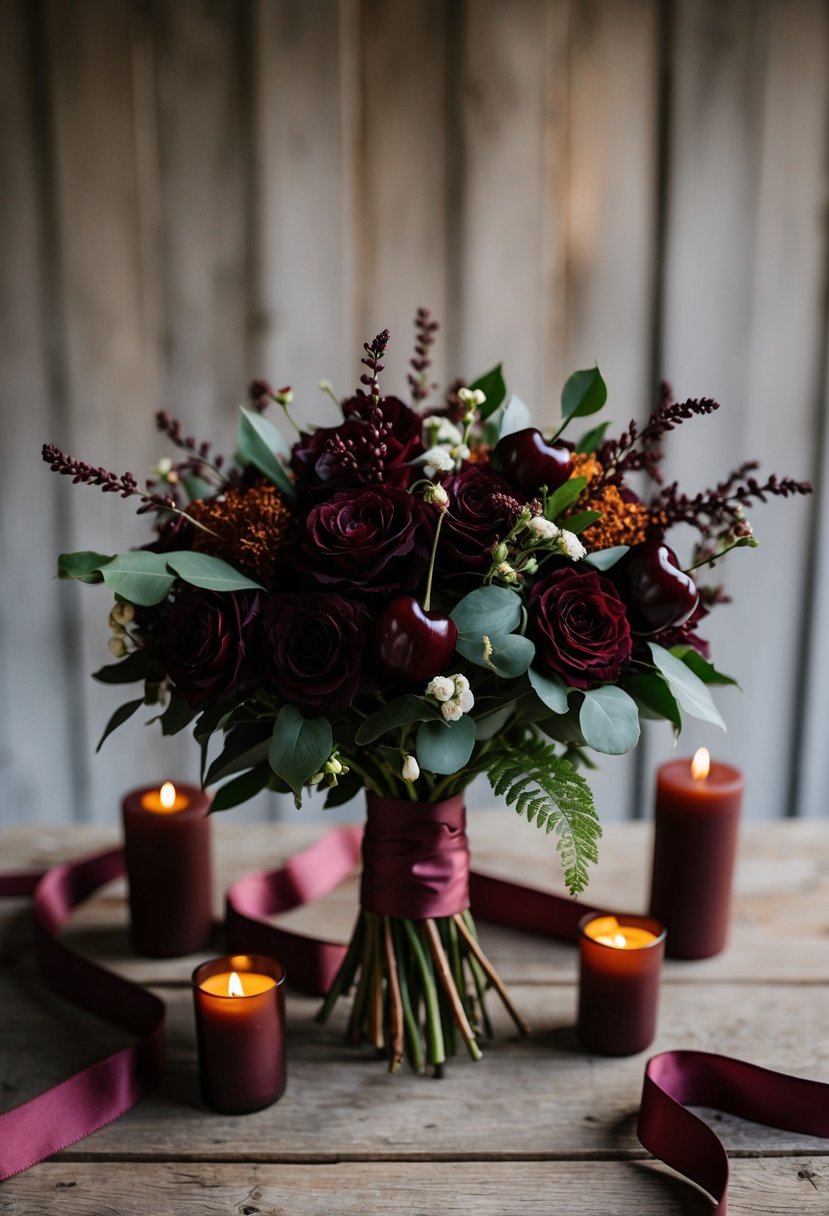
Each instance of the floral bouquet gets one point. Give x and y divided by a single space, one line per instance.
400 602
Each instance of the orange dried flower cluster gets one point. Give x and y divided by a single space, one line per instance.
249 523
586 466
621 523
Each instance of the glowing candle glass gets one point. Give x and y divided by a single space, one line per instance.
620 962
167 847
240 1027
695 845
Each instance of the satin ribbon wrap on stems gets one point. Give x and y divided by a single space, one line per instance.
98 1094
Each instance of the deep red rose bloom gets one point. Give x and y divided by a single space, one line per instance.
313 648
578 623
373 444
479 514
208 644
372 540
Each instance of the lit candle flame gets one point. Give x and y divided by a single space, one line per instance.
701 764
234 985
167 795
620 940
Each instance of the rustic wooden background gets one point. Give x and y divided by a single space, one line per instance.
199 191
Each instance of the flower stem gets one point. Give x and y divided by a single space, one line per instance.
409 1019
395 1000
427 599
434 1034
462 921
452 996
345 975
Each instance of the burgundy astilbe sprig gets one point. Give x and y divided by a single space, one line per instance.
260 394
199 460
718 512
421 361
636 449
375 351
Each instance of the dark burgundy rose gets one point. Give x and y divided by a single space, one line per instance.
482 509
373 444
368 540
313 648
208 645
578 623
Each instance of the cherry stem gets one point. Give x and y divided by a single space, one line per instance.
741 543
427 599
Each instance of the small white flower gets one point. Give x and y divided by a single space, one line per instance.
436 460
446 432
460 451
164 467
410 770
451 711
570 545
117 647
471 397
543 529
530 566
466 700
461 684
442 688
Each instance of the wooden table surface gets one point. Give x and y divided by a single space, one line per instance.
537 1126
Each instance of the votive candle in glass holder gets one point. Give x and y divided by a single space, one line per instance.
240 1028
167 849
620 967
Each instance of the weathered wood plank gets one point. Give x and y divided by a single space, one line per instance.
496 1189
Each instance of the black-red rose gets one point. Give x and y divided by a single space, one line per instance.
374 444
367 541
578 623
208 645
482 509
313 648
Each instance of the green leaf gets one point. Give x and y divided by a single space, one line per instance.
551 690
492 725
584 393
511 655
176 716
486 610
549 792
347 787
492 384
241 750
445 747
609 720
299 747
400 712
210 721
591 439
654 698
118 718
515 416
561 498
211 573
84 566
583 519
604 559
240 789
136 666
701 667
140 577
259 441
687 687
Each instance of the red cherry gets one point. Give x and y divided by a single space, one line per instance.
412 644
657 592
528 462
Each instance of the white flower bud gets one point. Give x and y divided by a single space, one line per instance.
451 711
543 529
117 647
471 396
438 495
461 684
500 552
410 770
122 614
447 432
164 467
466 701
442 688
530 566
437 459
332 765
284 396
570 545
460 451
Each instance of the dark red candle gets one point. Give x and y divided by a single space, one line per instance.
167 846
695 845
620 964
240 1026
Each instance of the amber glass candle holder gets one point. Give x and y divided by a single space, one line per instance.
240 1029
620 967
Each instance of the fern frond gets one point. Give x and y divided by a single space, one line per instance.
548 791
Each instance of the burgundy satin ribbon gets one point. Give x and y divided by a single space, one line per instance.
99 1094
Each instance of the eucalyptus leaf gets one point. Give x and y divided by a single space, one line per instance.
706 671
492 384
259 441
609 720
141 577
591 439
584 393
299 747
400 712
122 713
605 559
238 753
487 610
240 789
445 747
210 573
551 690
84 566
566 494
493 723
511 655
687 687
515 416
654 698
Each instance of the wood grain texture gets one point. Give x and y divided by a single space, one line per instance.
758 1188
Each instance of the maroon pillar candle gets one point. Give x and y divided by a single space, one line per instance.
240 1027
168 867
695 844
620 965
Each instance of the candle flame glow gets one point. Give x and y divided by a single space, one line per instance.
701 764
620 940
234 985
167 795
